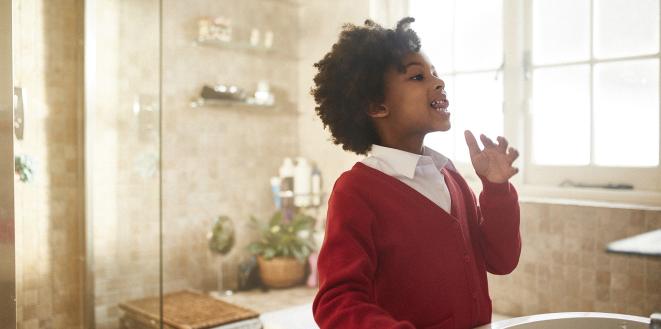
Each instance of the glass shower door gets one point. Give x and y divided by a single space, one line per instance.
79 176
122 148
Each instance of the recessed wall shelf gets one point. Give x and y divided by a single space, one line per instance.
203 102
245 47
232 45
238 106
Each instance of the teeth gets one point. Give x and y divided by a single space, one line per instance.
436 104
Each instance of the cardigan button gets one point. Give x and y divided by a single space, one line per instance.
467 259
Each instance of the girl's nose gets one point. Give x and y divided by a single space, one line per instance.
440 84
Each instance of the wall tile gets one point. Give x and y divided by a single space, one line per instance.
580 274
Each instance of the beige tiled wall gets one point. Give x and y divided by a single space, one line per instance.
48 66
564 267
318 31
218 160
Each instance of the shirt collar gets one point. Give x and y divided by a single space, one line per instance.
439 159
404 163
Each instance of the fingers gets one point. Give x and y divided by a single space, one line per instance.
473 148
512 155
502 143
503 146
513 171
486 141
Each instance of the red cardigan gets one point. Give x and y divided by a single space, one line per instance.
391 258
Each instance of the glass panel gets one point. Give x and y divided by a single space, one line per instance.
478 107
561 31
123 155
478 34
635 33
561 116
626 113
434 23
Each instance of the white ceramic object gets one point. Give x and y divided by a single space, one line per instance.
572 320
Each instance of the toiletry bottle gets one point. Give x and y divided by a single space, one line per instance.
275 191
287 184
302 184
313 277
316 187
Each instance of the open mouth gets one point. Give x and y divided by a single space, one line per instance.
440 105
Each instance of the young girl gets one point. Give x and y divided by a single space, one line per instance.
406 244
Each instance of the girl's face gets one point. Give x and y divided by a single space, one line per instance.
416 98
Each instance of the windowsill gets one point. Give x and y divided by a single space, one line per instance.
592 197
588 197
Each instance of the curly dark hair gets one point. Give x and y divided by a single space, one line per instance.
351 77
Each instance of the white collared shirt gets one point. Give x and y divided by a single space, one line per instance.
420 172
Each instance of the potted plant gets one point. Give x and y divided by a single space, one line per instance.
283 248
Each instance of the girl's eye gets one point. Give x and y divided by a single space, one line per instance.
418 77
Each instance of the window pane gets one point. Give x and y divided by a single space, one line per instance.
478 36
434 24
478 107
625 27
443 141
561 31
626 98
561 116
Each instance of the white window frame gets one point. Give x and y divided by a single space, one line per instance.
537 182
543 180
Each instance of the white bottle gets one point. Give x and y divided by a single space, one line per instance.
302 183
287 183
316 187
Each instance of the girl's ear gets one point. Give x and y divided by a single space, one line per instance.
378 111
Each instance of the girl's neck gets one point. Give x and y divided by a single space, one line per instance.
411 145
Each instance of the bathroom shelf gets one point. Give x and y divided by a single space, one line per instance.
243 47
231 45
202 102
242 107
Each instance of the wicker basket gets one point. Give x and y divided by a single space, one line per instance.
281 272
185 310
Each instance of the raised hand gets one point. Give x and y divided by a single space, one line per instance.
494 162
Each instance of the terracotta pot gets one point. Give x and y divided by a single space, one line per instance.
281 272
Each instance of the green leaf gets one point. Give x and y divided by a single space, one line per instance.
281 239
255 248
299 255
269 253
